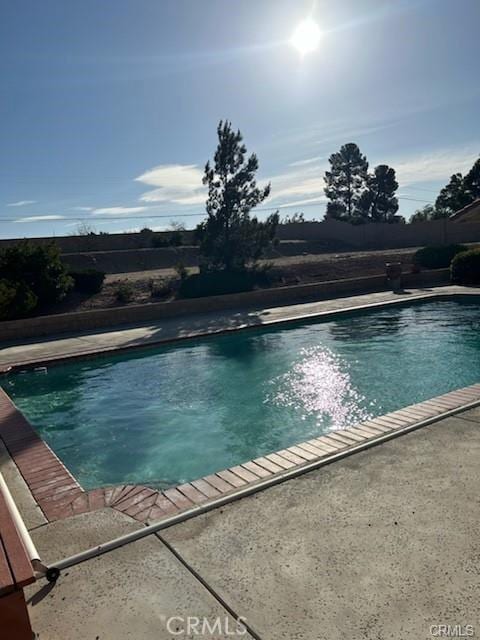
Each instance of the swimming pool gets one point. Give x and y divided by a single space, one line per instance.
174 413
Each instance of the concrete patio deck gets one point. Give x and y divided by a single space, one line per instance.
382 544
128 337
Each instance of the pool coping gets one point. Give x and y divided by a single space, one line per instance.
59 495
404 298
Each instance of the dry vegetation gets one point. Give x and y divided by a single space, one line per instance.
285 271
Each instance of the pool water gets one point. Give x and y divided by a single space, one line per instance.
174 413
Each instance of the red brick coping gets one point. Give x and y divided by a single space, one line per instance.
59 495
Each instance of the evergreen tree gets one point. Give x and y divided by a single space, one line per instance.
346 182
472 181
453 196
424 214
229 238
378 202
458 193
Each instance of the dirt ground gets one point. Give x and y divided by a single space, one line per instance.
309 266
291 270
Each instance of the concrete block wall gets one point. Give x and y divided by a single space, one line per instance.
328 232
382 235
128 260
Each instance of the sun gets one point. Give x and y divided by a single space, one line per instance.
306 36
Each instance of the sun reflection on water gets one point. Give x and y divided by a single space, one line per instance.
319 386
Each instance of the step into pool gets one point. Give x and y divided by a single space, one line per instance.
166 415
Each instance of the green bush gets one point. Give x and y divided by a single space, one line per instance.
216 283
38 267
88 280
465 268
16 300
437 257
124 292
36 273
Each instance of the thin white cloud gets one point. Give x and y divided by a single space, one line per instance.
303 183
434 166
298 187
198 198
39 218
352 127
117 211
21 203
352 133
298 203
324 135
302 163
82 208
175 183
182 184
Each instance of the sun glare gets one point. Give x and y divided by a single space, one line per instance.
306 36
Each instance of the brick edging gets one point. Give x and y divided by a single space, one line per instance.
48 479
59 495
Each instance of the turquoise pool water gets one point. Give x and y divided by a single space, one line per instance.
175 413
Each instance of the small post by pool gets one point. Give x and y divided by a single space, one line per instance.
394 275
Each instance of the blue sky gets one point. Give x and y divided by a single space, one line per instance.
109 109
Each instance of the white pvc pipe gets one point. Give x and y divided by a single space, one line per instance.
246 491
20 526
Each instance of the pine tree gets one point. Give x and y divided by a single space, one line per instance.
453 196
346 182
472 181
378 202
229 238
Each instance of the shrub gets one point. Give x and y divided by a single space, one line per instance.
124 292
160 288
216 283
465 268
88 280
181 270
16 300
37 274
437 257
